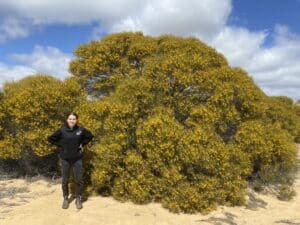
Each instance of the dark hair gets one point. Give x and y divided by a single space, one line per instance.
72 113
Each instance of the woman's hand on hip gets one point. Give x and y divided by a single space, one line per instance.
81 148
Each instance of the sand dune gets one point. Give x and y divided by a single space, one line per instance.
38 202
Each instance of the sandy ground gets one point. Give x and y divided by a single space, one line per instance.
38 202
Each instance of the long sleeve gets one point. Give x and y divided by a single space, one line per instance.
87 136
55 137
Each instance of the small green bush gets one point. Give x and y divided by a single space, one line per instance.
286 193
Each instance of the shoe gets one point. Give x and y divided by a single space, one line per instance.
65 204
78 202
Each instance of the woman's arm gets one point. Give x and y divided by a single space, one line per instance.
55 137
87 136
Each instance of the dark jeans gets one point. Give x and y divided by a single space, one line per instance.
78 173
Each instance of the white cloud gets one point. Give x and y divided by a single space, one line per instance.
276 68
17 16
151 16
8 73
70 11
47 60
239 44
12 28
183 18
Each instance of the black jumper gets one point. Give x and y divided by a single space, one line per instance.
68 141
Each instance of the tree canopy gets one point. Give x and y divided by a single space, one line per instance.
176 124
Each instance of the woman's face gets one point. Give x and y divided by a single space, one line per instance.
71 120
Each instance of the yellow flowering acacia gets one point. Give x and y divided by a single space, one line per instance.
31 109
90 116
283 110
175 124
297 108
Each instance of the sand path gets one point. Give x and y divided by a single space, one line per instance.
38 202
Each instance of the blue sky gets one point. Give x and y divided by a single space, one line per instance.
262 36
264 14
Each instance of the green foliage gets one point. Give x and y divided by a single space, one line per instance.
297 108
271 150
90 114
286 193
282 109
175 124
31 109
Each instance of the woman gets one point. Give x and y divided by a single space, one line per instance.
70 140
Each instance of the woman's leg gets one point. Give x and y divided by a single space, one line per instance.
78 173
65 177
